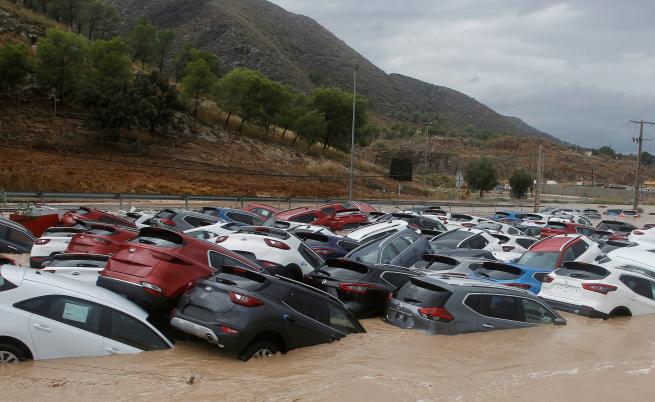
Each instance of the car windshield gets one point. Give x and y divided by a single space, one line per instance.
539 259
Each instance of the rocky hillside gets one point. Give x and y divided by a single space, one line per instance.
297 50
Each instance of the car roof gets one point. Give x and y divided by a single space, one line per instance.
452 282
555 243
89 290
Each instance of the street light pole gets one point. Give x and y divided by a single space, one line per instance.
427 143
352 138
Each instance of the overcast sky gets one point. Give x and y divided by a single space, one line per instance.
575 69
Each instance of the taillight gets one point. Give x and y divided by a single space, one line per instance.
153 289
42 241
439 314
99 240
243 300
277 244
357 288
508 248
598 288
168 258
542 277
220 239
637 232
390 296
518 285
324 251
167 222
267 264
228 330
540 223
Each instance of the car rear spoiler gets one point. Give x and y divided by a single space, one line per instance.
308 235
500 266
347 264
161 233
269 231
376 213
430 232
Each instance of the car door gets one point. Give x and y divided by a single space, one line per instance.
64 326
124 334
641 296
307 318
495 311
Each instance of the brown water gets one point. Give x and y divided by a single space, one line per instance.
585 360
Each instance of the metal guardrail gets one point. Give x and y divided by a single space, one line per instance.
120 197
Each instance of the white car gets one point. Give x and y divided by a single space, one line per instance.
640 255
46 316
290 226
512 246
457 221
53 241
272 247
211 232
375 231
82 267
498 227
643 236
598 291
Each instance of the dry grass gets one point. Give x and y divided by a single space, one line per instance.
28 16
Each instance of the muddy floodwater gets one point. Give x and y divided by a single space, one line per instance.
585 360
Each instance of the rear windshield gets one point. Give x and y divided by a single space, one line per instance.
165 214
499 272
460 218
489 226
423 294
101 232
88 263
583 271
60 232
312 258
616 226
454 236
539 259
556 225
437 264
159 238
241 278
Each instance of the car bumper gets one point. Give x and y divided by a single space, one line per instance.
207 331
136 293
577 309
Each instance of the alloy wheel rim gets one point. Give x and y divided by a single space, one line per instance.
8 357
263 353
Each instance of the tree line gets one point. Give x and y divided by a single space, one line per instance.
139 80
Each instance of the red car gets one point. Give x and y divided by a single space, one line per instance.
85 214
333 216
100 239
262 210
560 228
156 267
551 253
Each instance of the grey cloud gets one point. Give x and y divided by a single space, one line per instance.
576 69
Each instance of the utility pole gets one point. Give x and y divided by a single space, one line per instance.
639 142
352 138
427 143
540 176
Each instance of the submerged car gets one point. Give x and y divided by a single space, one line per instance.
601 292
46 316
449 305
363 288
250 314
401 249
513 275
552 252
99 239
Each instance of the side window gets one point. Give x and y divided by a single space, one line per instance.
578 248
430 225
568 255
340 319
202 235
640 286
389 252
396 279
477 242
128 330
525 243
20 238
74 312
308 305
495 306
513 231
242 218
197 222
536 313
328 211
218 261
307 218
377 236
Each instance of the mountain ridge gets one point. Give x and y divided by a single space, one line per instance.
299 51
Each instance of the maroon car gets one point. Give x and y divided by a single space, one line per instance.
85 214
262 210
333 216
157 266
100 239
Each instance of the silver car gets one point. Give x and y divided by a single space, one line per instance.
449 305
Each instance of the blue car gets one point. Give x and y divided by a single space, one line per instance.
505 216
237 216
515 275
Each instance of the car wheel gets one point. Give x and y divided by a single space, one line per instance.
259 350
10 354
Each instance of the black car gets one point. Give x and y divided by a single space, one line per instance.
251 314
15 238
363 288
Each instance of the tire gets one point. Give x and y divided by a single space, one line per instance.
10 354
259 350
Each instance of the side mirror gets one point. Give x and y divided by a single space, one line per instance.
559 321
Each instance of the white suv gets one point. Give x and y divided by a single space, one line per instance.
271 247
47 316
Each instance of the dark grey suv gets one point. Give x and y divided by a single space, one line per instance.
450 305
255 315
402 249
179 220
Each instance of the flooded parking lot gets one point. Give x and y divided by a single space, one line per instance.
585 360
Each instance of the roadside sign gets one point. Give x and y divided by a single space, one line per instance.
459 180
